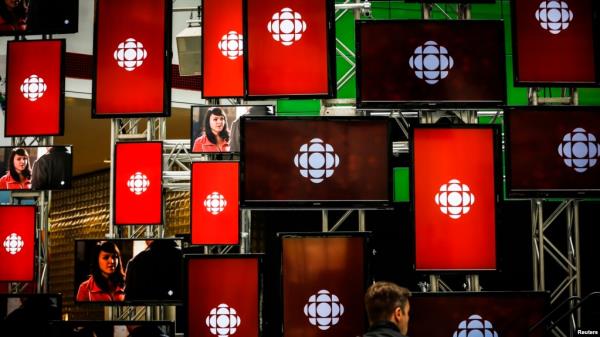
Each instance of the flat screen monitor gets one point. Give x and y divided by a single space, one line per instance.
112 329
290 48
18 244
36 167
223 295
28 314
35 88
553 43
142 271
552 151
322 162
430 63
223 122
35 17
323 278
454 193
506 314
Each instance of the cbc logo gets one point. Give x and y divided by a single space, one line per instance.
431 62
13 243
138 183
130 54
455 199
323 310
286 26
215 203
33 87
579 149
232 45
475 326
223 321
554 16
316 160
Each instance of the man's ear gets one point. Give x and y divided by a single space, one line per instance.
398 313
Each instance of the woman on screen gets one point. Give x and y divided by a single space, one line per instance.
215 137
18 176
13 15
107 282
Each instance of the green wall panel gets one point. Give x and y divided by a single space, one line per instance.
401 184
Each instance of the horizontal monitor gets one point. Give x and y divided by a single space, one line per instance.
36 167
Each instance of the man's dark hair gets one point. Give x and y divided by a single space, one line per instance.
382 299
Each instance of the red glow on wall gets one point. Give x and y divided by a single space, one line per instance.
214 203
455 198
138 183
17 238
35 88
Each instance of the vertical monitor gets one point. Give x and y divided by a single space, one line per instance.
323 279
138 183
132 58
430 63
553 43
315 162
553 151
17 234
290 48
455 191
35 88
223 295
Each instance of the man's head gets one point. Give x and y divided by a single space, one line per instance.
386 301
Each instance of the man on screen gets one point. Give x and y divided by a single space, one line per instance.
52 170
388 310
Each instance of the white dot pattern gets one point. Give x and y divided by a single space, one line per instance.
13 243
455 199
215 203
554 16
579 150
475 326
138 183
130 54
431 62
323 310
223 321
286 26
316 160
232 45
33 87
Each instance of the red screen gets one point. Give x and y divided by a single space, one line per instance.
566 147
430 61
282 64
131 58
35 88
311 161
547 51
323 282
214 203
223 290
17 232
222 46
138 183
455 198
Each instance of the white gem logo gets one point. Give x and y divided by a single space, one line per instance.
554 16
138 183
232 45
286 26
33 87
579 150
316 160
13 243
130 54
215 203
431 62
323 310
223 321
475 326
455 199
